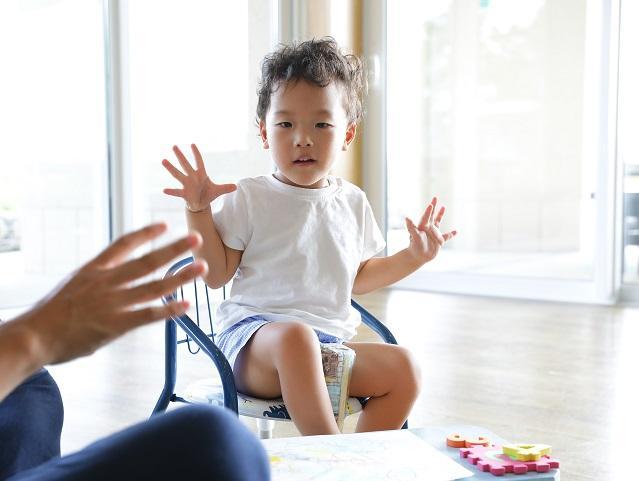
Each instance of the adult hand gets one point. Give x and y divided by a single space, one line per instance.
426 239
97 303
198 190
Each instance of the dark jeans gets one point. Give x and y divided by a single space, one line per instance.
192 443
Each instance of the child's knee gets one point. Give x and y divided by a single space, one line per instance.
409 372
296 339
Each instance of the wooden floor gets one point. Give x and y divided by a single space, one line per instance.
558 374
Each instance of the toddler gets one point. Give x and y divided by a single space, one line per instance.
298 243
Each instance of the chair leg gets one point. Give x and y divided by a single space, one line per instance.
170 367
265 428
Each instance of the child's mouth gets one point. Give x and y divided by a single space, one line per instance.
304 161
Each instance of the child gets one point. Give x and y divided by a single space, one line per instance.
298 243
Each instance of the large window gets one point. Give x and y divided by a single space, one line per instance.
492 106
193 70
52 123
183 72
628 138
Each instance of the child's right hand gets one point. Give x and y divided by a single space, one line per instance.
198 191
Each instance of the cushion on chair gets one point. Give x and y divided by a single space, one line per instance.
209 391
337 361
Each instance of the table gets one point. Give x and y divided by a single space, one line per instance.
384 454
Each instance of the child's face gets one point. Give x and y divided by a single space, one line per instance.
306 127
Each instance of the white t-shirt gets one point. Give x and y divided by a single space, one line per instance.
302 248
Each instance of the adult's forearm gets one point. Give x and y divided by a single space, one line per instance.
20 354
212 249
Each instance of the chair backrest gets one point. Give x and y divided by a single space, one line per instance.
204 301
202 311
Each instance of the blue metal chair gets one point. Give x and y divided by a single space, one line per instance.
200 337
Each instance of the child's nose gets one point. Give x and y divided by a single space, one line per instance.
303 139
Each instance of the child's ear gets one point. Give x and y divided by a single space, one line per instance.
351 130
263 134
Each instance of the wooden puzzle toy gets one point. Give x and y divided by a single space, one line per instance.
492 459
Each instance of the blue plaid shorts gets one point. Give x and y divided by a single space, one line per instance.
235 337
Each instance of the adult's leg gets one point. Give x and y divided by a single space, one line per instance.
389 375
194 443
30 424
284 359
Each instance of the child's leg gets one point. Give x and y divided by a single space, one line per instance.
283 358
389 375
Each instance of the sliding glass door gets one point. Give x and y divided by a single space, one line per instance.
82 144
53 180
495 107
193 69
628 149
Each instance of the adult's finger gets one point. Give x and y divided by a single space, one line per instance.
156 289
148 263
131 319
126 244
199 161
186 165
174 171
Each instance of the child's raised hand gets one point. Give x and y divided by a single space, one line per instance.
198 190
426 239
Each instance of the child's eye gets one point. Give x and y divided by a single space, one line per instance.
286 125
323 125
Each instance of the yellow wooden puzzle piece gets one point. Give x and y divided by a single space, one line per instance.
526 452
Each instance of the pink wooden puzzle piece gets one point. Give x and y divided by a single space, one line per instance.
493 459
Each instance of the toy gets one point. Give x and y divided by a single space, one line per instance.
526 452
492 459
458 441
478 441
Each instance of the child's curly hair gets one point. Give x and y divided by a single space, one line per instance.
318 61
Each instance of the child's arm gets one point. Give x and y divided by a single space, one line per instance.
198 191
425 242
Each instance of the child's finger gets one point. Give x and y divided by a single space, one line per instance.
439 216
199 161
449 235
174 192
227 188
183 160
428 213
411 227
179 176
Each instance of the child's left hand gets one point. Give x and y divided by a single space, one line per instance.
426 239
